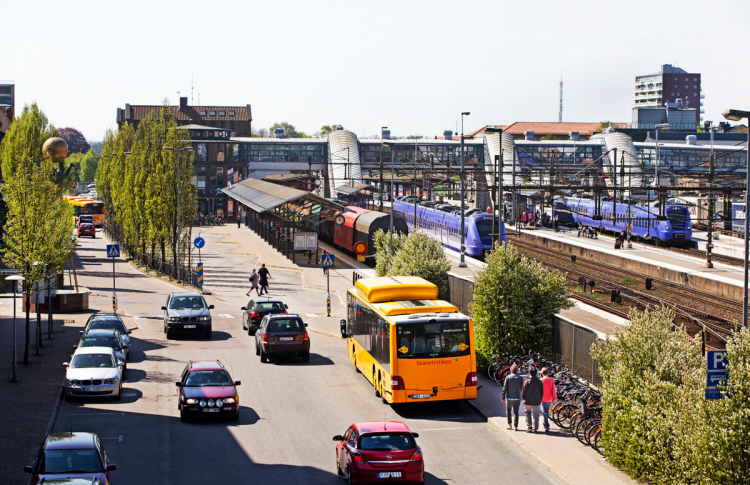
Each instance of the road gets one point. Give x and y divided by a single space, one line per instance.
289 410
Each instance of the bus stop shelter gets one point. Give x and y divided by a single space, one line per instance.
276 213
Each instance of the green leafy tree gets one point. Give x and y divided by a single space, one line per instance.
289 130
325 129
515 300
384 256
40 223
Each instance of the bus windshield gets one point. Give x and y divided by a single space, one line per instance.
433 340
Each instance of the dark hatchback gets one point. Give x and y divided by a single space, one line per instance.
282 335
71 455
256 309
207 389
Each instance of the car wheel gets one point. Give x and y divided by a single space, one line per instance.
244 325
208 335
67 397
251 331
306 356
257 349
168 333
236 417
119 393
183 417
263 357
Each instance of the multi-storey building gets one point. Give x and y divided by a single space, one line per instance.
7 105
670 85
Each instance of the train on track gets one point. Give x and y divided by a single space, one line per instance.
674 230
360 225
445 227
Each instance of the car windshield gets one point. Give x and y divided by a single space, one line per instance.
204 378
285 325
268 306
70 461
111 342
106 324
180 302
85 361
387 442
430 340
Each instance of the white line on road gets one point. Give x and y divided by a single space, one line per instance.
446 429
118 438
225 315
312 315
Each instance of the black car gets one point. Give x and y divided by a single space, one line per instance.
282 335
258 308
187 312
104 321
85 219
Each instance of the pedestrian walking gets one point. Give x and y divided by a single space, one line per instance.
512 396
254 278
549 395
263 275
523 218
531 395
239 220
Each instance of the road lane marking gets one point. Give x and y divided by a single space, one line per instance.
312 315
446 429
118 438
225 315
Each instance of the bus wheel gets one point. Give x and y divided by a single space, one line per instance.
355 366
377 384
382 395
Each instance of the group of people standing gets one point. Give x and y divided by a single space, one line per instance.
259 280
537 396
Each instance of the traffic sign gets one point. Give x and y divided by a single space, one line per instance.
339 220
717 373
113 250
361 258
199 242
199 273
327 260
360 247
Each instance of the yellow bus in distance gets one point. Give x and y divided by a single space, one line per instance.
84 206
409 345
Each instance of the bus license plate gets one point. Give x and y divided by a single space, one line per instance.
210 410
420 396
286 339
189 326
389 475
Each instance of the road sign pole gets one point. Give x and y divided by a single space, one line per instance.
114 288
328 292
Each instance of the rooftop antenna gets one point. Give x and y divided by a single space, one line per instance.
561 98
192 85
199 99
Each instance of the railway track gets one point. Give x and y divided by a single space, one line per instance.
697 253
699 311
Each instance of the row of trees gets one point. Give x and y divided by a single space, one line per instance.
140 188
657 424
291 132
39 227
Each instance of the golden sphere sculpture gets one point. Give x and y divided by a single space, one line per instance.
56 149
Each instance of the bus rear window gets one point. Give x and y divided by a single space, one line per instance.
432 340
94 208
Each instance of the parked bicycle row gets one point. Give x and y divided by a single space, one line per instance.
209 220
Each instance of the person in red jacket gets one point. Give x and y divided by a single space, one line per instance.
549 395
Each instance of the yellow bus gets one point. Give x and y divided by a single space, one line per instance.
84 206
410 346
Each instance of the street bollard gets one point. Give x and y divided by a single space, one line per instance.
328 304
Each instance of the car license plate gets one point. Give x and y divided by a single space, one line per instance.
93 389
189 326
420 396
286 339
211 410
389 475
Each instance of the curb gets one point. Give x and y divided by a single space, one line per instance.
528 452
320 332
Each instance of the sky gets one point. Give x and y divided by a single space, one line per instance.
411 65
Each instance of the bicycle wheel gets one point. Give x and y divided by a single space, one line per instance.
491 368
574 420
580 428
554 412
565 415
595 441
588 433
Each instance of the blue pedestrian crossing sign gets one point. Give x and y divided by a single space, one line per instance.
113 250
199 242
717 373
327 260
199 273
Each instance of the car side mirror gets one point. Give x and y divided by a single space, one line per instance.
342 323
237 383
338 437
163 308
178 384
128 332
243 308
112 467
65 364
305 325
210 307
75 346
416 435
28 469
286 306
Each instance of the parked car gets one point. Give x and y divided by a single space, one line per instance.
187 312
71 455
93 371
379 451
106 338
103 321
207 389
86 230
282 335
258 308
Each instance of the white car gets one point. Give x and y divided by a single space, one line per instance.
93 371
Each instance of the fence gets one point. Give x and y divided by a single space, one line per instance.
460 292
572 346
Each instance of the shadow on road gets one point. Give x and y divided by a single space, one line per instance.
248 416
138 375
450 411
315 359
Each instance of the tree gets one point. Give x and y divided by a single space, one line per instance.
325 129
40 222
289 130
76 141
515 300
260 132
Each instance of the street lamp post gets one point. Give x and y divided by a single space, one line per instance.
416 138
382 144
711 173
178 150
462 264
656 167
737 115
393 155
16 279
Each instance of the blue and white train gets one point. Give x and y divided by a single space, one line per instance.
445 227
676 230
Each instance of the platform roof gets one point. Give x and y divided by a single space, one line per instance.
356 188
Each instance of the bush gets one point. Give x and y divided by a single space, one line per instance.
413 255
515 300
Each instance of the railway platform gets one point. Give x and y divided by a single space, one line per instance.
723 245
723 279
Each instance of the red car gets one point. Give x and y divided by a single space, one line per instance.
379 451
206 389
86 230
71 455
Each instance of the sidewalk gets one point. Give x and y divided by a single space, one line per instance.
559 451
